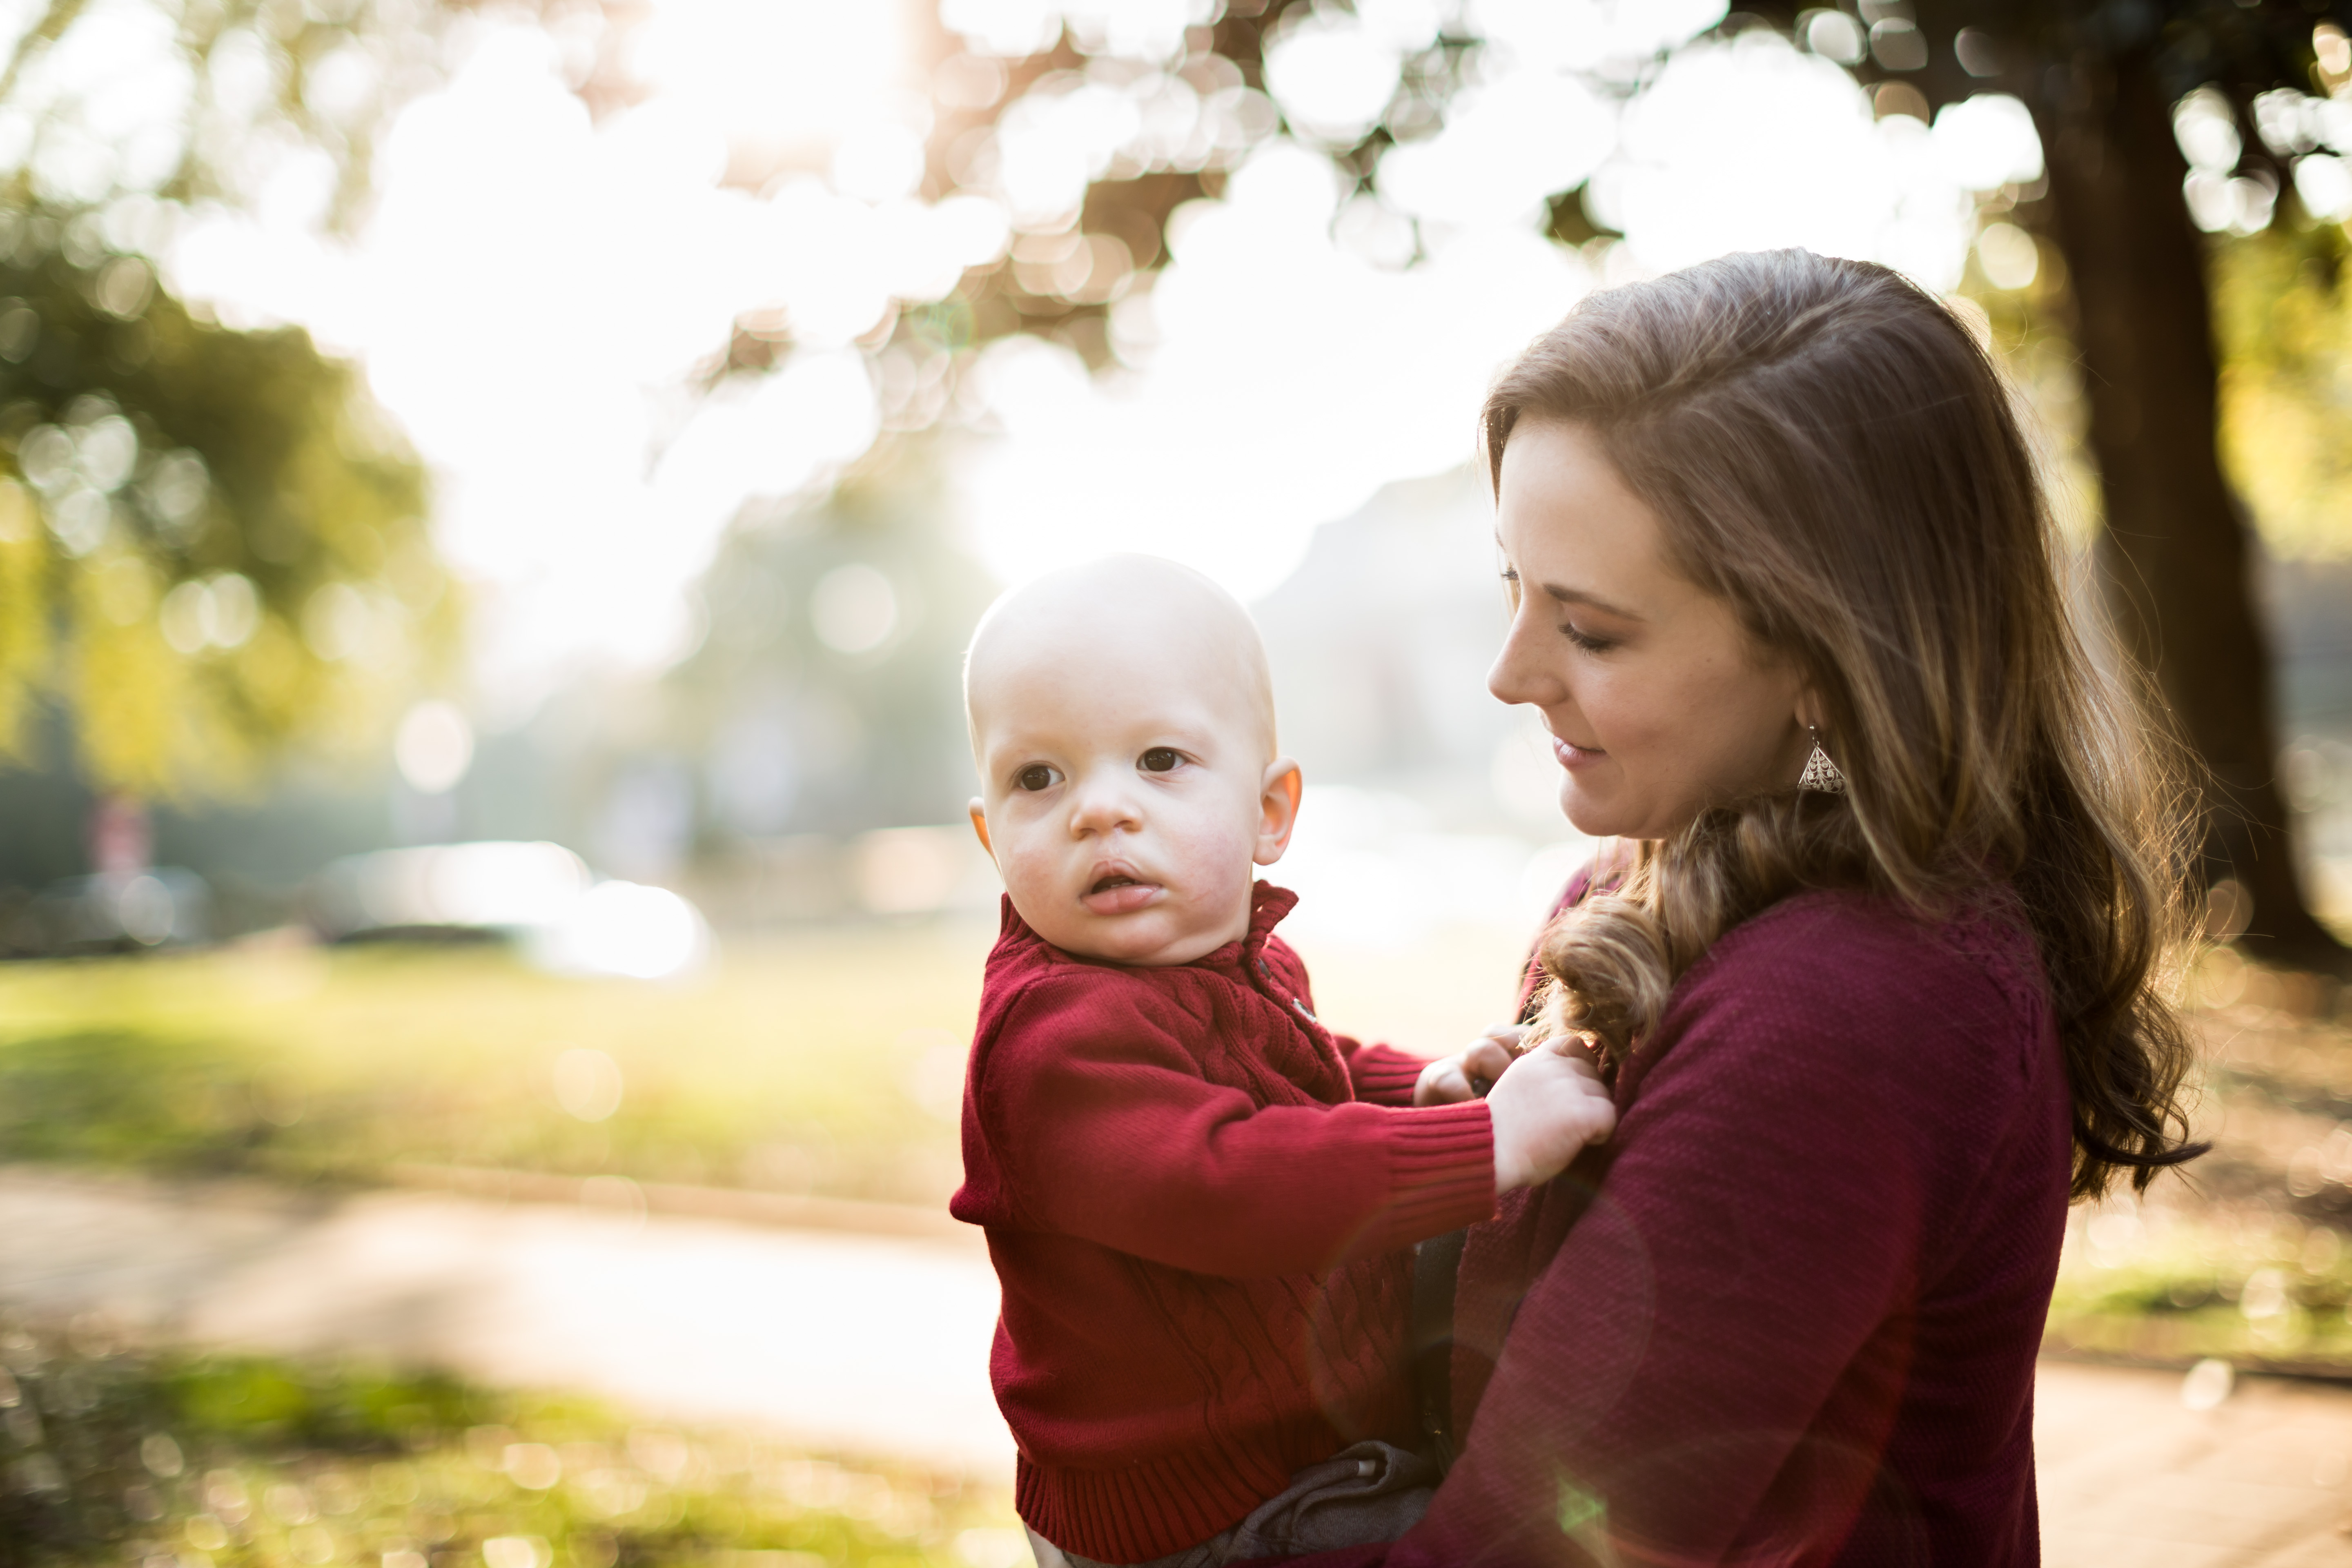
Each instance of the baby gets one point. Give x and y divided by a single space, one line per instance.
1198 1199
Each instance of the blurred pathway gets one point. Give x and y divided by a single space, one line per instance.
879 1345
862 1344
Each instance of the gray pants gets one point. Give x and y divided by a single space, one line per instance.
1374 1491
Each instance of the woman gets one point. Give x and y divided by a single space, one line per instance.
1769 520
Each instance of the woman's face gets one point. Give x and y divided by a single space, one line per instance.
1659 702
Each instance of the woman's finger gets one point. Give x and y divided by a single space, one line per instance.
1580 1061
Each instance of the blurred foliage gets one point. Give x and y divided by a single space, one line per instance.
253 89
1125 210
107 1454
213 542
830 1063
802 728
2283 317
2283 321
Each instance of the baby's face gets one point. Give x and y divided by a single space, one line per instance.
1129 790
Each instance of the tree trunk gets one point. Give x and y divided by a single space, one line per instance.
2176 551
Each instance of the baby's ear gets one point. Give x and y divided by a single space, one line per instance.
1277 807
979 809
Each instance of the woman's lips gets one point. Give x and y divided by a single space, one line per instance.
1573 756
1119 893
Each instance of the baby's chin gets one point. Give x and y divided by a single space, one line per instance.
1149 938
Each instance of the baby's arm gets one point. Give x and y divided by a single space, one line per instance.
1102 1127
1383 1075
1539 1128
1101 1118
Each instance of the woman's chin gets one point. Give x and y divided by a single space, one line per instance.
1590 813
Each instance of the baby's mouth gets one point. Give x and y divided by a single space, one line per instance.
1117 892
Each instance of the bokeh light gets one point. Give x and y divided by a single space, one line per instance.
434 747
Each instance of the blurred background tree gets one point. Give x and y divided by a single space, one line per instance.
305 599
212 541
2160 120
2116 91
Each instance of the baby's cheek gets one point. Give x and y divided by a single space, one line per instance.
1022 873
1218 855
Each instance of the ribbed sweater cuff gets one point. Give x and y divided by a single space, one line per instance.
1384 1075
1442 1160
1152 1507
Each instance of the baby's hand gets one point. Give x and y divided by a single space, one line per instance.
1547 1106
1471 1072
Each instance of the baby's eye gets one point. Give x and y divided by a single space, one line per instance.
1160 760
1035 776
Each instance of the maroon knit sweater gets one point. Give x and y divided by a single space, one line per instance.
1195 1194
1796 1323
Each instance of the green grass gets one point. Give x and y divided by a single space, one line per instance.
823 1061
2182 1289
826 1063
249 1463
2243 1256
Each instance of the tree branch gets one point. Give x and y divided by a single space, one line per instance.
59 16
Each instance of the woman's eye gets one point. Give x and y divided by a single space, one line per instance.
1586 640
1035 776
1160 760
1511 587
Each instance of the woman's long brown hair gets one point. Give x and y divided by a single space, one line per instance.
1832 451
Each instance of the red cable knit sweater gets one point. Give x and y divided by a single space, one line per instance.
1194 1195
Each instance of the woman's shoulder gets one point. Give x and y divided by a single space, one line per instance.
1859 1021
1855 965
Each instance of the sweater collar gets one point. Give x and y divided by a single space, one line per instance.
1268 904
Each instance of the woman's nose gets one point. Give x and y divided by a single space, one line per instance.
1519 674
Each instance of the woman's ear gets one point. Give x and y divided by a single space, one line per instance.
1810 714
1277 806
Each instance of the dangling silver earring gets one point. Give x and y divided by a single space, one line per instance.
1820 773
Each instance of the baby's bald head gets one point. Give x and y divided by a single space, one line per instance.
1123 724
1123 619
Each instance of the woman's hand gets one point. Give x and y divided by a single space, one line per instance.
1471 1072
1550 1104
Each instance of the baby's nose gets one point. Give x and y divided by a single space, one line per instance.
1100 805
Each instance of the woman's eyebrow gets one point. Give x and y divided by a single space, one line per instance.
1559 595
1590 601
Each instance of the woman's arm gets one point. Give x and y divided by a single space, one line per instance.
1721 1339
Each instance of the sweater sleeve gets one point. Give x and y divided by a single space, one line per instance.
1817 1096
1380 1075
1112 1134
